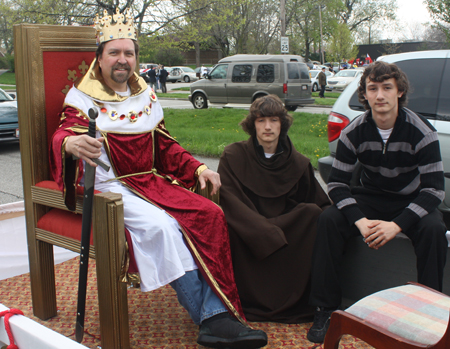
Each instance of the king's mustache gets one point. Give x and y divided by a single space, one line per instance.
122 66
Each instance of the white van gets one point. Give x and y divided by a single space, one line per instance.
244 78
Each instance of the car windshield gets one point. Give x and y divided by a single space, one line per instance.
346 74
313 73
4 96
188 70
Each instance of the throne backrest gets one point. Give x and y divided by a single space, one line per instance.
59 78
48 59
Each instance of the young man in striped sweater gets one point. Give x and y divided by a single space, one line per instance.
402 184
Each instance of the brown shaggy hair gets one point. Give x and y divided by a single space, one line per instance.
267 106
381 71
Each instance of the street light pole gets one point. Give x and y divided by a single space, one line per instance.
321 36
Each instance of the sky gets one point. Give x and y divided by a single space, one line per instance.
411 12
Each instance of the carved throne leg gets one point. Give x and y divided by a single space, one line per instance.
42 277
109 242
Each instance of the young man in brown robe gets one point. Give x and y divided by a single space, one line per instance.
271 201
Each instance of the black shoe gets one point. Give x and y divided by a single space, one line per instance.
224 331
318 330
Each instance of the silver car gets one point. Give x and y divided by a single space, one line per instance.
342 79
185 74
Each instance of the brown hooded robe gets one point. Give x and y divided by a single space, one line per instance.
271 206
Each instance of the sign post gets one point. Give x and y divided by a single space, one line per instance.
284 44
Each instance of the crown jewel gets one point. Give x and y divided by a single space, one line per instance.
117 26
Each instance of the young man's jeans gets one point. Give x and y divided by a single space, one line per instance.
195 295
333 231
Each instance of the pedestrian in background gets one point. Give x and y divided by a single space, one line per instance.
322 82
163 79
152 76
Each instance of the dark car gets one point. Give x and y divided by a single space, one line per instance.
9 122
145 76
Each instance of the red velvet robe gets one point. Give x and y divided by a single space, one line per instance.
203 223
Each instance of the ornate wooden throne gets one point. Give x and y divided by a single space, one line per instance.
48 60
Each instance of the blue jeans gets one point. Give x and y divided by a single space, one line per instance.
195 295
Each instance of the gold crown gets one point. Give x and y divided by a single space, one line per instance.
118 26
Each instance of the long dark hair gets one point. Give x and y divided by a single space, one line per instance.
270 105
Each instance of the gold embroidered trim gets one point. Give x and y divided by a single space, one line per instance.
132 175
200 169
165 134
80 112
63 155
78 129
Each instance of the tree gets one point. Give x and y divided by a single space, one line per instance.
440 12
367 13
151 16
341 45
304 22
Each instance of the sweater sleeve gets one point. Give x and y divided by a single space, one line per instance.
431 174
340 177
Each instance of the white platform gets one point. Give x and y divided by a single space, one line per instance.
28 334
13 243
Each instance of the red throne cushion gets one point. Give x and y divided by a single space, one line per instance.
68 224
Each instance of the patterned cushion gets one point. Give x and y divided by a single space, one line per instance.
409 311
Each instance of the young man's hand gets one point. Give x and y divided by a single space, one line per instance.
377 233
213 177
84 147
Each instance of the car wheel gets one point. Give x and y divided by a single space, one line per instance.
174 81
315 88
199 101
186 79
258 96
291 107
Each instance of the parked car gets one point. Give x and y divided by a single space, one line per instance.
314 82
185 74
144 75
334 65
198 72
428 96
244 78
170 78
341 80
9 121
144 67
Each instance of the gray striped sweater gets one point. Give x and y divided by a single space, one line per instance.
407 171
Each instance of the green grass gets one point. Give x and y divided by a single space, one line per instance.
173 95
187 88
327 94
207 131
8 78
